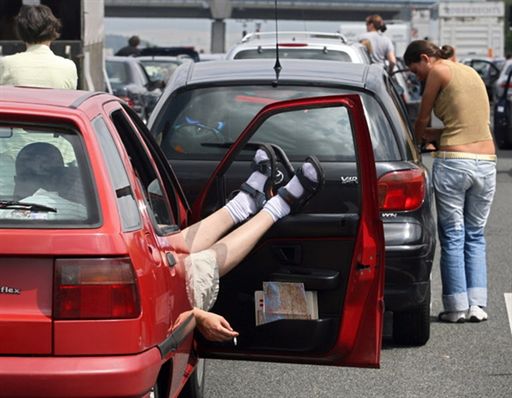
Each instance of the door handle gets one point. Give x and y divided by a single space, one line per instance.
171 260
288 254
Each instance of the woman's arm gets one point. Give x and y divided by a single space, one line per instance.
213 326
391 60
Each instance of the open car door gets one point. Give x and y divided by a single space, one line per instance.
330 255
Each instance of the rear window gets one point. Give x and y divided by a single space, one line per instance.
45 179
202 123
296 53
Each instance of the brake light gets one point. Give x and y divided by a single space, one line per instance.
292 45
129 101
401 190
102 288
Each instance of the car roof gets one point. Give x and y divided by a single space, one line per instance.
161 58
269 38
118 58
262 71
56 97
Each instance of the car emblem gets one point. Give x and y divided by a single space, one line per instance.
348 179
9 290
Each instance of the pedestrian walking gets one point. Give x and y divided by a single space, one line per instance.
464 174
38 66
382 49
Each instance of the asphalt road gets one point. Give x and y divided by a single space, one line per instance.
461 360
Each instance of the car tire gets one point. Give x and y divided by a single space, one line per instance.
194 388
412 327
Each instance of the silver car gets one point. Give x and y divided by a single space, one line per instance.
300 45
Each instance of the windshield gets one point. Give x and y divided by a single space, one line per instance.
201 123
44 178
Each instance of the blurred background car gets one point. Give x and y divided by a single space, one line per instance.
127 79
502 115
171 52
489 70
501 82
202 112
299 45
160 67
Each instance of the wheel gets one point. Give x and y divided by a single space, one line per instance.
195 384
412 327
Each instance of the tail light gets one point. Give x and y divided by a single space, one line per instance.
101 288
401 190
129 101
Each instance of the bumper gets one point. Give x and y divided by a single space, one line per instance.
114 376
407 276
405 298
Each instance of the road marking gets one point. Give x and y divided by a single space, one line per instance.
508 304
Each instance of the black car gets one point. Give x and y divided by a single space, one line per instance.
203 111
502 116
128 80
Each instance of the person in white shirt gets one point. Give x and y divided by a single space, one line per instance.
382 49
38 66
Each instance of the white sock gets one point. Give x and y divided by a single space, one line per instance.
242 205
277 206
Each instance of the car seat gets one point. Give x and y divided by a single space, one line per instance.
37 165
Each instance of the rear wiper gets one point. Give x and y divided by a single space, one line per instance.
15 205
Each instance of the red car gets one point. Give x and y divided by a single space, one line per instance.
92 294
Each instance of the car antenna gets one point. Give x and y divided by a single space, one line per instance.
277 65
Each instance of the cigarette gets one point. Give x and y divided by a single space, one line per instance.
235 342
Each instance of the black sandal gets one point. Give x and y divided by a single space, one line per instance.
310 187
268 168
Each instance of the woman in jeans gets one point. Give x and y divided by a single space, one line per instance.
464 174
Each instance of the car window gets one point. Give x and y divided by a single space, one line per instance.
506 70
482 67
147 176
45 178
202 123
296 53
142 74
118 73
128 213
160 70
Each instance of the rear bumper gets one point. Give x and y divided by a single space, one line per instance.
113 376
407 276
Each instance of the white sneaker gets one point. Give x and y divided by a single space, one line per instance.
452 316
476 314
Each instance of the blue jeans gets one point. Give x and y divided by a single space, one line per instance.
464 191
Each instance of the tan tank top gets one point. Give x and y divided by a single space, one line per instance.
463 107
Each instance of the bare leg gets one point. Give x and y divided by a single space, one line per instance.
241 241
205 233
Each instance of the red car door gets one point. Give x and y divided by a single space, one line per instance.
334 254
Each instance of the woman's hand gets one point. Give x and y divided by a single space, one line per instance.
213 326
